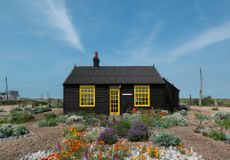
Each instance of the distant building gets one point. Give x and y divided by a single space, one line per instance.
12 95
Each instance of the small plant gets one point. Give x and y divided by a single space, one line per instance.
3 120
109 136
80 127
91 136
217 135
61 119
183 112
50 115
166 139
222 115
122 127
168 121
29 109
146 118
105 122
138 132
7 130
20 117
16 109
47 123
132 117
203 130
41 109
201 116
74 118
91 121
20 130
1 110
228 139
215 109
224 123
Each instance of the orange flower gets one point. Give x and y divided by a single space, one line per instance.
99 154
156 152
101 143
53 156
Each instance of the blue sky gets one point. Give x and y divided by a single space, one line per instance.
40 41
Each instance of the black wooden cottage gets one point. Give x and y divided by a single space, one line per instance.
114 89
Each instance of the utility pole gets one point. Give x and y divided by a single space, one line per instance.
201 88
7 93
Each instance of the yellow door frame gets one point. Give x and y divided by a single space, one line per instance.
114 103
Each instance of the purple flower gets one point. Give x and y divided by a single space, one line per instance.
86 154
58 146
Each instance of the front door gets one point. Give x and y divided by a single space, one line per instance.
114 101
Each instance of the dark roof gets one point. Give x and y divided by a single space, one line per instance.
114 75
167 82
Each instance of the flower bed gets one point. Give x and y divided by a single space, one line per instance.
76 145
83 142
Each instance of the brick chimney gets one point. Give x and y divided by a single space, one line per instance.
96 60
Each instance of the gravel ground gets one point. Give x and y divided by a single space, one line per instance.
208 110
210 149
42 139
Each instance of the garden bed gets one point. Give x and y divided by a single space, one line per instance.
46 138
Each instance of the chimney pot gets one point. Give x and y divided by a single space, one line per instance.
96 60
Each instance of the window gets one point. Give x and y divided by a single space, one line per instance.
141 96
87 96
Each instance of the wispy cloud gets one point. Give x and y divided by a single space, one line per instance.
205 39
56 17
139 49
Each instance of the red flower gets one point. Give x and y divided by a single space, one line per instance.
134 110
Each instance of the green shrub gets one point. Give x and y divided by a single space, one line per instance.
29 109
91 121
61 119
207 101
16 109
20 117
166 139
41 109
203 130
147 119
217 135
224 123
222 115
1 110
75 118
81 127
50 115
3 120
215 109
47 122
91 136
168 121
183 112
228 139
201 116
158 124
20 130
7 130
122 127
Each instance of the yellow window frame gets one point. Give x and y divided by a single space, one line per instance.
141 92
87 96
